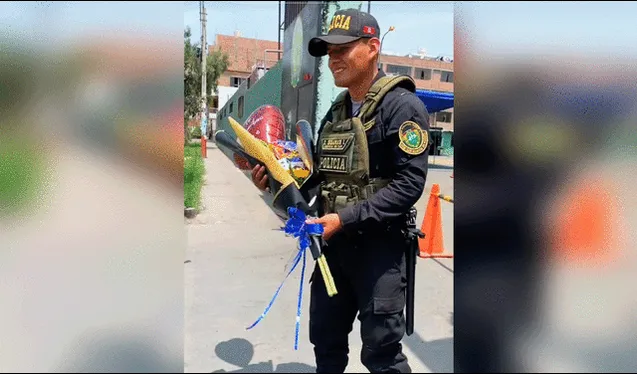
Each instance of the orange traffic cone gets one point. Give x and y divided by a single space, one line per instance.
431 245
586 230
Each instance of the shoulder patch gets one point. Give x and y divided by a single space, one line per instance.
413 139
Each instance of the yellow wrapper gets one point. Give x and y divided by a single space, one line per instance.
257 149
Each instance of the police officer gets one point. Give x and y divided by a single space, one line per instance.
372 165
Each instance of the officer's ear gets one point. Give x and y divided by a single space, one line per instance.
374 46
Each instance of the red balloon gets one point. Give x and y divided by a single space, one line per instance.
265 123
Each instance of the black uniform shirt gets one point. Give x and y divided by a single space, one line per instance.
406 169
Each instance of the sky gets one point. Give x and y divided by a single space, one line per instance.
51 24
593 28
425 24
606 28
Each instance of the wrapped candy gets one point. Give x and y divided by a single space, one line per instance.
287 155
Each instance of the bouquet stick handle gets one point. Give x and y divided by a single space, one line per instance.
323 266
327 276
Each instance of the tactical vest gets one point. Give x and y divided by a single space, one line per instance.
343 153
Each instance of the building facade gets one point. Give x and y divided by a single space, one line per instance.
431 74
250 59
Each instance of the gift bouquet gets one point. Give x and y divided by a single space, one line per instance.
266 123
288 165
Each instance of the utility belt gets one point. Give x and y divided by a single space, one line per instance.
338 195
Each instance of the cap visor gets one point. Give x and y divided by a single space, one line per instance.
318 46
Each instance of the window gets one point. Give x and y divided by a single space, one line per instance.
398 70
236 81
443 117
215 103
424 74
446 76
240 107
230 110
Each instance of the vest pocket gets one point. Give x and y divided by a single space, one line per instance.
378 159
336 153
337 197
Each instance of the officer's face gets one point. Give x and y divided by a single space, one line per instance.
349 62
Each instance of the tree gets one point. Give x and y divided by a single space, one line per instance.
216 64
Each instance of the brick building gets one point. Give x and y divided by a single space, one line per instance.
429 74
244 54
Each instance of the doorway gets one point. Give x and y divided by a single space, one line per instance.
436 141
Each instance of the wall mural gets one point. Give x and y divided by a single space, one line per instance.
297 53
298 84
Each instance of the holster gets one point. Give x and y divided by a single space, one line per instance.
412 233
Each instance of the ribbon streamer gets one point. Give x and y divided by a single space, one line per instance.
298 228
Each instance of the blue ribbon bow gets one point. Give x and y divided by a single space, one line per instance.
298 228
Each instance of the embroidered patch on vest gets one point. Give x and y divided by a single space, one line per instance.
413 139
335 164
337 143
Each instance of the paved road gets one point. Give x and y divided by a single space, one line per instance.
235 262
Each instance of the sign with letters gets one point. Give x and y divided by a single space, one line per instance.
340 22
336 164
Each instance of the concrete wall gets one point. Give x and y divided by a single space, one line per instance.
266 90
225 93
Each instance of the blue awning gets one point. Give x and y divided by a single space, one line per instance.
435 101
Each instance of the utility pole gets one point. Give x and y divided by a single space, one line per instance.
204 60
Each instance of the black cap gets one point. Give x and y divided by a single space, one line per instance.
346 26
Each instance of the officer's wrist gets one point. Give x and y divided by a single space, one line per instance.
347 217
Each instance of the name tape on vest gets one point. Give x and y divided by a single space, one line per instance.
336 144
336 164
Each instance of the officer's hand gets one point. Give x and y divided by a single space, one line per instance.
331 224
260 178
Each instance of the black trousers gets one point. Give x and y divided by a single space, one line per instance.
369 274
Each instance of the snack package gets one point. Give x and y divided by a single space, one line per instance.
287 145
286 153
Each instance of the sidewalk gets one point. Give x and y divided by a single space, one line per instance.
235 262
441 161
